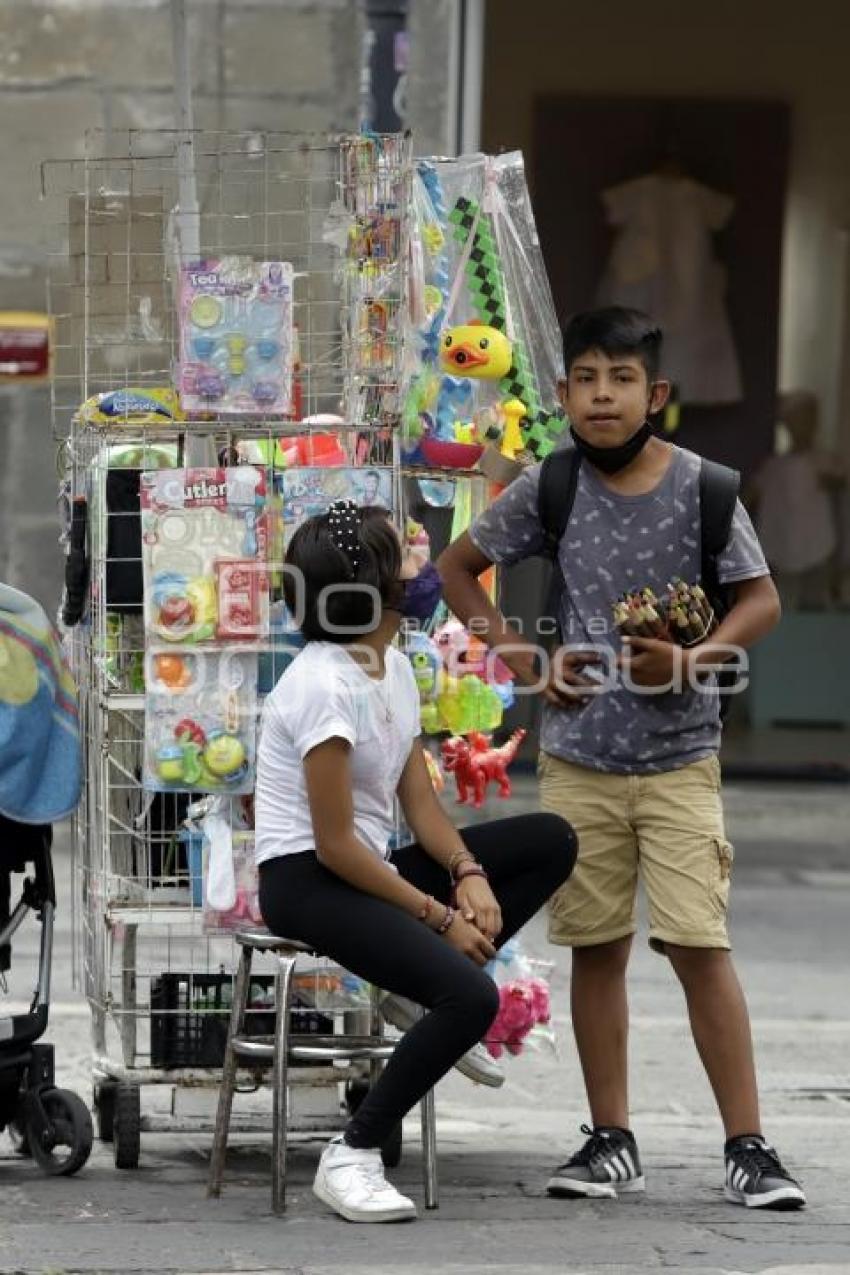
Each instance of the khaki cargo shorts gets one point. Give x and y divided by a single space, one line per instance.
666 829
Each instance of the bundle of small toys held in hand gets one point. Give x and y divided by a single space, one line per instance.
683 615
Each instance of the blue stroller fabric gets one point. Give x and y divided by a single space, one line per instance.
40 750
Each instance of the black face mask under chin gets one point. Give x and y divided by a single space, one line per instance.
612 459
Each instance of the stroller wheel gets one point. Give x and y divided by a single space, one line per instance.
127 1125
71 1130
19 1138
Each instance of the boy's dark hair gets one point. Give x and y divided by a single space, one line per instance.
347 613
614 330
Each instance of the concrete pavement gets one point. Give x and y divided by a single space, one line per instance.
792 890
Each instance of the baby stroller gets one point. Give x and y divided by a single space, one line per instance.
52 1125
40 775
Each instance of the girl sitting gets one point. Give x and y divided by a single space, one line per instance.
339 742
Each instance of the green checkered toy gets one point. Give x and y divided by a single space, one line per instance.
485 281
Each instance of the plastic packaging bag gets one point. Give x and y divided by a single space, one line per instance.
485 343
204 545
201 721
244 910
236 337
524 1017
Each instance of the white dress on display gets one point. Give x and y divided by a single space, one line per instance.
663 262
795 521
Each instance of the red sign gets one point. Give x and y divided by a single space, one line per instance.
24 346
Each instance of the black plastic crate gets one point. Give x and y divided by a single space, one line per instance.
190 1015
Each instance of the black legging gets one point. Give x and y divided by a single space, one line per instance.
526 859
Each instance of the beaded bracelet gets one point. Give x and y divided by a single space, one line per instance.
447 920
426 908
475 870
457 858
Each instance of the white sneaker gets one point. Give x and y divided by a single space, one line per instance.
476 1064
350 1180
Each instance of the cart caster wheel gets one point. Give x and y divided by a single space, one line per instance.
391 1150
19 1138
104 1109
127 1125
69 1139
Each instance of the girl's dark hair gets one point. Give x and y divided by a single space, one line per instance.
320 564
614 330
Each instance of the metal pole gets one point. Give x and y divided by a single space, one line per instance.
198 451
386 51
472 72
188 227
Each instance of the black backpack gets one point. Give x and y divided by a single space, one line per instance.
718 493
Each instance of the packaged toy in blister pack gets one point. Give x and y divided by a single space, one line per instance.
204 548
370 291
134 408
200 721
366 225
486 339
236 342
309 491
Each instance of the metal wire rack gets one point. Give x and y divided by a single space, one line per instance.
121 220
116 229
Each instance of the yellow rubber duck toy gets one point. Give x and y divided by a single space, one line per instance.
513 410
477 351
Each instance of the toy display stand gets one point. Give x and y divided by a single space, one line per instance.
272 335
157 980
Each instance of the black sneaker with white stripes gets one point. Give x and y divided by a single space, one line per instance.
756 1177
607 1165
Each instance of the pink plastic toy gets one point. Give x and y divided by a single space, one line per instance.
523 1004
463 653
246 908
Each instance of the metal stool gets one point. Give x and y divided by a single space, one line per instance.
283 1049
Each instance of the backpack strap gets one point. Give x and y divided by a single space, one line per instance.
556 496
718 494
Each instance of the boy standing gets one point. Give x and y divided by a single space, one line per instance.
633 763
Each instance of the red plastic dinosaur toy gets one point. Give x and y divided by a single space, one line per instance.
474 764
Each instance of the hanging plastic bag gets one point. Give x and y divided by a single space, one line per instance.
524 1015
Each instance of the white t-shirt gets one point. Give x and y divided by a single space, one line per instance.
322 695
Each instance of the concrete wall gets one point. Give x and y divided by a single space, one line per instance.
774 49
68 66
430 100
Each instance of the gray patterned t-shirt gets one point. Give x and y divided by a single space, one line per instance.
612 544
